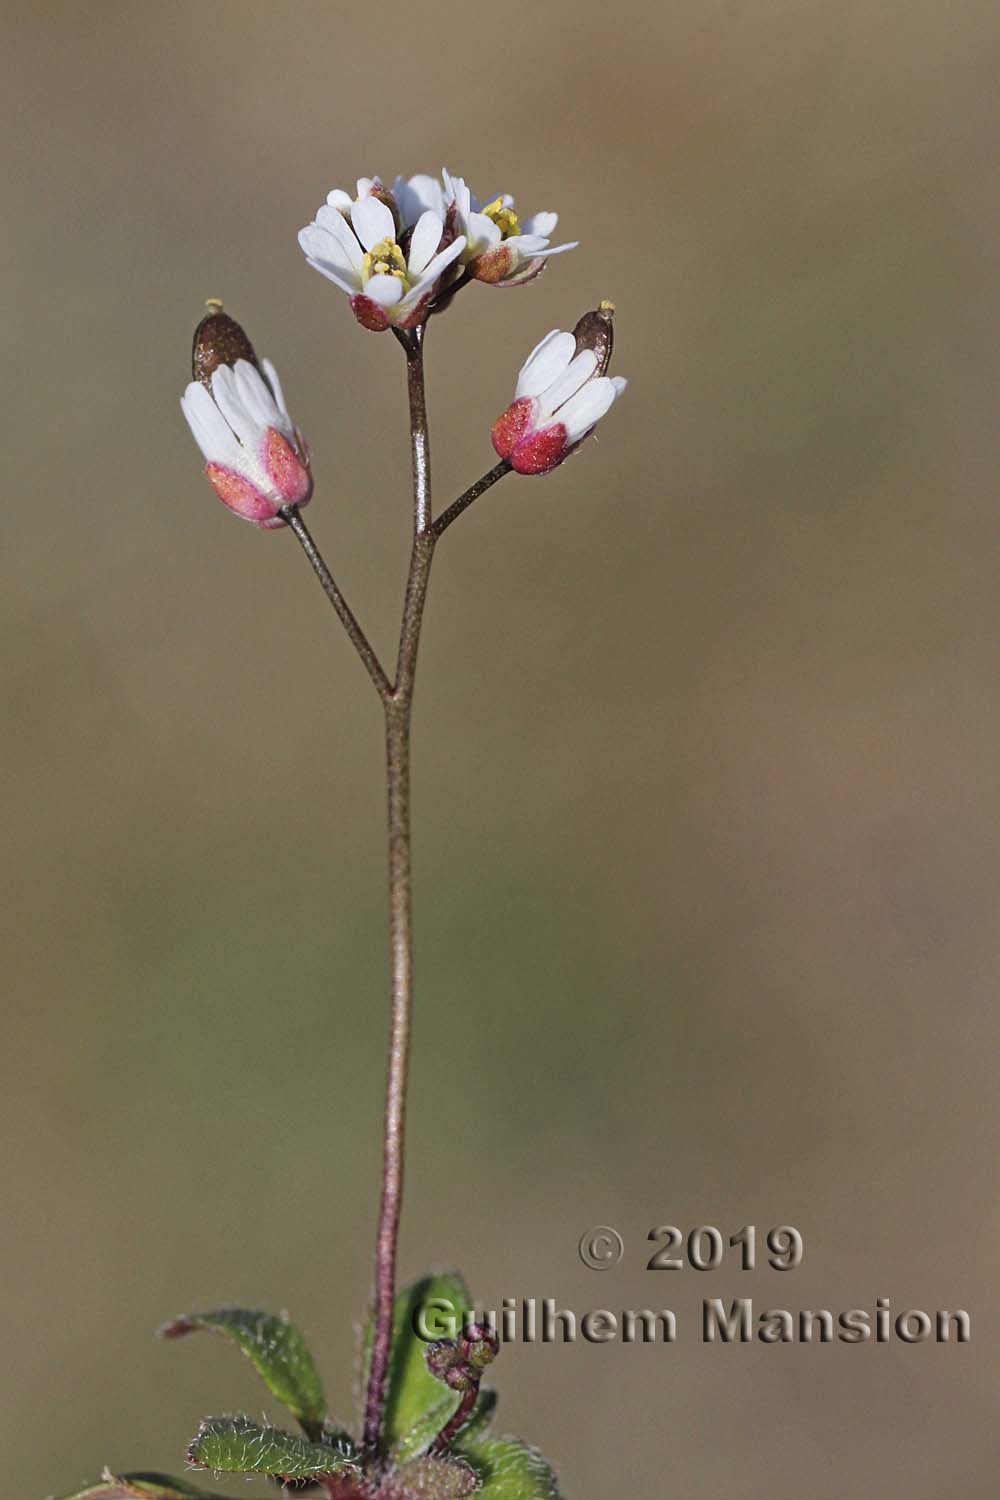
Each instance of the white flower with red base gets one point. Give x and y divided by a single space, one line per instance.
257 459
561 395
500 249
356 244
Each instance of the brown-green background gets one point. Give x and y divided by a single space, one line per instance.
707 745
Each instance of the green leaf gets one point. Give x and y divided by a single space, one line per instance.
509 1469
413 1391
235 1445
146 1486
275 1348
430 1479
425 1430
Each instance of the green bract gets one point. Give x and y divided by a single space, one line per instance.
235 1445
510 1470
275 1348
413 1390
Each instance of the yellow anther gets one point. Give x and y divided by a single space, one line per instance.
505 219
384 259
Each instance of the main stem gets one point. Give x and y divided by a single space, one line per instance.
398 714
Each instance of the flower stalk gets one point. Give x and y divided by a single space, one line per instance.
398 717
401 256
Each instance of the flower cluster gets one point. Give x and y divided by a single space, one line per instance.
356 244
400 254
393 251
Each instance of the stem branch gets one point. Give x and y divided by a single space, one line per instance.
474 491
456 1422
359 640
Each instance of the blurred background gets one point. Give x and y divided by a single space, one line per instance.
707 765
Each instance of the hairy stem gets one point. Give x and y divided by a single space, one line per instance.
359 640
455 1423
398 714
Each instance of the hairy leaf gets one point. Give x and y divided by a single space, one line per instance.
275 1348
144 1486
413 1390
510 1470
235 1445
430 1479
426 1428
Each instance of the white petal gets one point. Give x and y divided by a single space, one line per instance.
545 363
372 222
456 192
228 399
385 290
579 370
481 234
542 224
426 238
431 276
588 406
350 286
209 427
349 253
444 258
526 245
619 382
324 251
417 195
255 394
558 249
340 200
276 391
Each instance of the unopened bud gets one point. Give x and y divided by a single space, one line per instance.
595 331
479 1345
256 458
218 340
447 1362
561 394
440 1356
461 1378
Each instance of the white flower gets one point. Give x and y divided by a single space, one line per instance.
257 459
415 195
561 394
499 248
354 243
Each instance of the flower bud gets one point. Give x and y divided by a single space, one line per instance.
440 1356
257 460
461 1377
562 392
479 1345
